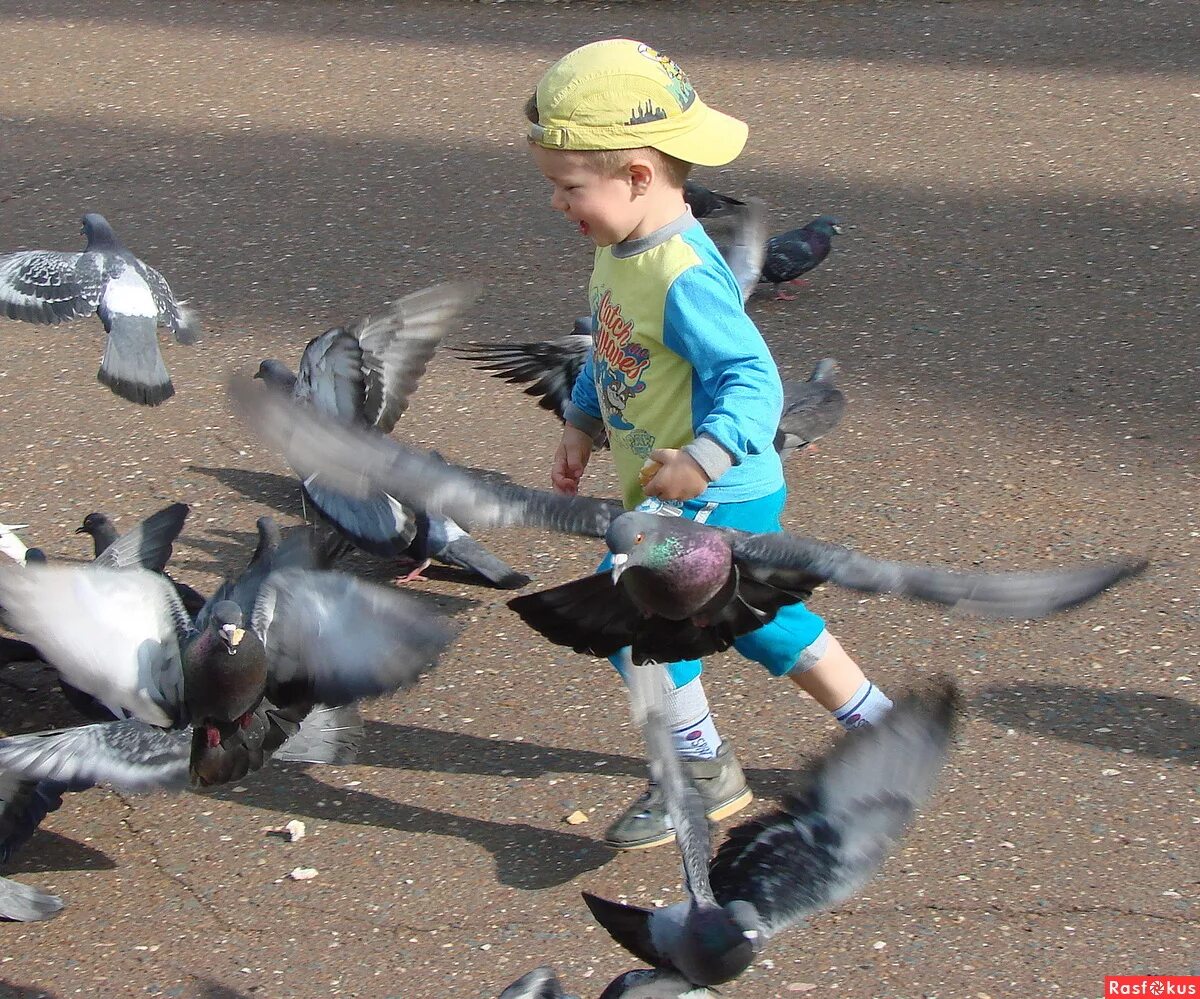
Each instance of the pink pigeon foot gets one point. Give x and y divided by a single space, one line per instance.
212 736
782 296
414 575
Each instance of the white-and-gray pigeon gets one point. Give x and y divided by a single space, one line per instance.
131 298
678 589
363 374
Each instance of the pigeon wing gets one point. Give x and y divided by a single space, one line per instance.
130 755
111 633
338 638
377 524
330 378
23 805
834 832
149 544
745 246
397 345
172 313
788 561
684 804
46 286
628 925
548 368
541 983
358 462
23 904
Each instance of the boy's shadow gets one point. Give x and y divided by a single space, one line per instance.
1150 724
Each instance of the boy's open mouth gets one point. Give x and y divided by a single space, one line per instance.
584 228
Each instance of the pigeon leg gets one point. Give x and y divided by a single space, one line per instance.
783 296
212 736
414 574
799 282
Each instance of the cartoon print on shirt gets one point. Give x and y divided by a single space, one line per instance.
620 363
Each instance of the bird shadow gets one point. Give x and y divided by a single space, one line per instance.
1150 724
11 990
280 492
46 852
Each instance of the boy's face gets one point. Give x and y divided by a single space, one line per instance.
607 208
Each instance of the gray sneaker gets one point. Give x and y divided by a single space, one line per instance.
645 823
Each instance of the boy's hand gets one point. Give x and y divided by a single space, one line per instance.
678 478
570 460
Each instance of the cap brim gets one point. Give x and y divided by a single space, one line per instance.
716 140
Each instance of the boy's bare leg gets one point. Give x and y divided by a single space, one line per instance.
832 680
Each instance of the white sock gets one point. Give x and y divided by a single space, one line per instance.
693 731
868 705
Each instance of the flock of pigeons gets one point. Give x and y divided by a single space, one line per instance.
187 691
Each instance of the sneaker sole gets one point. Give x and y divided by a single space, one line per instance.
731 807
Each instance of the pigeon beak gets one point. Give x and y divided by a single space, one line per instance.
232 635
837 229
81 530
618 566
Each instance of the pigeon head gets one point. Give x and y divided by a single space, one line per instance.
671 566
99 233
825 224
721 947
93 523
276 374
227 622
35 556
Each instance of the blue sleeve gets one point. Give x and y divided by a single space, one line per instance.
704 322
583 395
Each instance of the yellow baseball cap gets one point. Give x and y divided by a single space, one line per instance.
621 94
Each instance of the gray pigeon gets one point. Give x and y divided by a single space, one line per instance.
810 409
134 757
363 375
678 589
131 298
826 841
308 637
645 983
741 238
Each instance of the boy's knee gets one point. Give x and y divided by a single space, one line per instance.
794 641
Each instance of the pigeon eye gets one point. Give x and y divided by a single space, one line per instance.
638 539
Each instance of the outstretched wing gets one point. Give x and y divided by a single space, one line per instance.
46 286
172 313
834 832
548 368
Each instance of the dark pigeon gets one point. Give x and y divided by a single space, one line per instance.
678 589
798 251
148 545
135 757
644 983
548 369
23 805
704 202
303 637
131 298
364 375
810 409
827 840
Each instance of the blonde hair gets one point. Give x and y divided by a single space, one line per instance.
613 161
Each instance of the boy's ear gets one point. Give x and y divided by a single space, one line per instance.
641 175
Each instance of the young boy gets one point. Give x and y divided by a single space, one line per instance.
679 375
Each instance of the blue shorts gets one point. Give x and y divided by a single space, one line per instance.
795 638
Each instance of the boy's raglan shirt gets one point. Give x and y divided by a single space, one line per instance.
677 363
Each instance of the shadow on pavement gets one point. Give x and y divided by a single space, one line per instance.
1149 724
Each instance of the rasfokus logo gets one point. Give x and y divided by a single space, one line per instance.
1154 986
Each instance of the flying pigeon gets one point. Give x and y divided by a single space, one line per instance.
798 251
363 375
810 409
549 368
131 298
297 637
704 202
830 836
23 805
678 589
148 545
134 757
